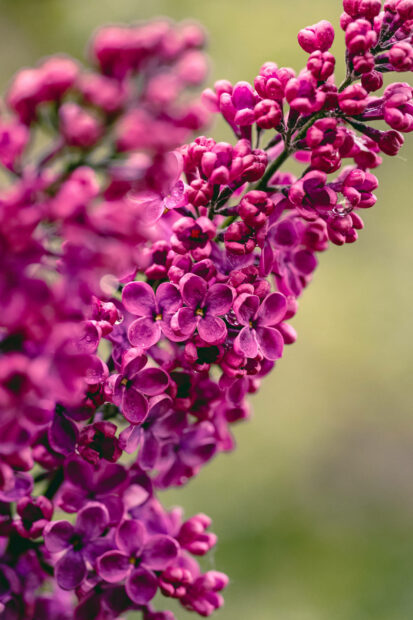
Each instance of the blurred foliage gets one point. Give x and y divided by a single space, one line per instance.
314 511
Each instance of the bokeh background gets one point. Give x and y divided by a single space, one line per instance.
314 510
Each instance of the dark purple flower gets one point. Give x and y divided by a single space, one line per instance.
151 433
312 194
204 306
34 513
104 484
258 333
183 455
134 383
98 441
81 542
135 560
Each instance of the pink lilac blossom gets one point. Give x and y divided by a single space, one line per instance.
148 279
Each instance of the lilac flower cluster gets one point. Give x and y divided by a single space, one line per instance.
147 286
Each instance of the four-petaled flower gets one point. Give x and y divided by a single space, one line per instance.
138 555
259 333
154 310
134 383
82 543
204 306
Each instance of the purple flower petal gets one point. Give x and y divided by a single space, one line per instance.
199 444
92 520
176 197
109 477
130 438
271 342
272 309
193 290
63 434
96 371
133 361
168 297
70 570
238 390
159 551
218 300
113 566
139 299
184 321
57 535
266 260
130 537
246 307
144 332
89 341
150 205
78 472
305 262
149 452
171 334
141 586
134 406
212 329
151 381
72 498
159 406
96 548
246 343
115 507
23 485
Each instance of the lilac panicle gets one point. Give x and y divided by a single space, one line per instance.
148 280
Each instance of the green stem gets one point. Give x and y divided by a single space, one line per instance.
229 220
272 168
349 79
54 483
288 150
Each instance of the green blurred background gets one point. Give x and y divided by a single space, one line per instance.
314 510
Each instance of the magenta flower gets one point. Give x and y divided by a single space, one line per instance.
82 543
35 513
134 383
303 95
202 596
353 100
154 310
321 65
203 308
79 127
156 428
193 536
317 37
184 454
135 560
98 441
258 333
362 8
84 483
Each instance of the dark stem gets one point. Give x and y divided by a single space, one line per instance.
54 483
